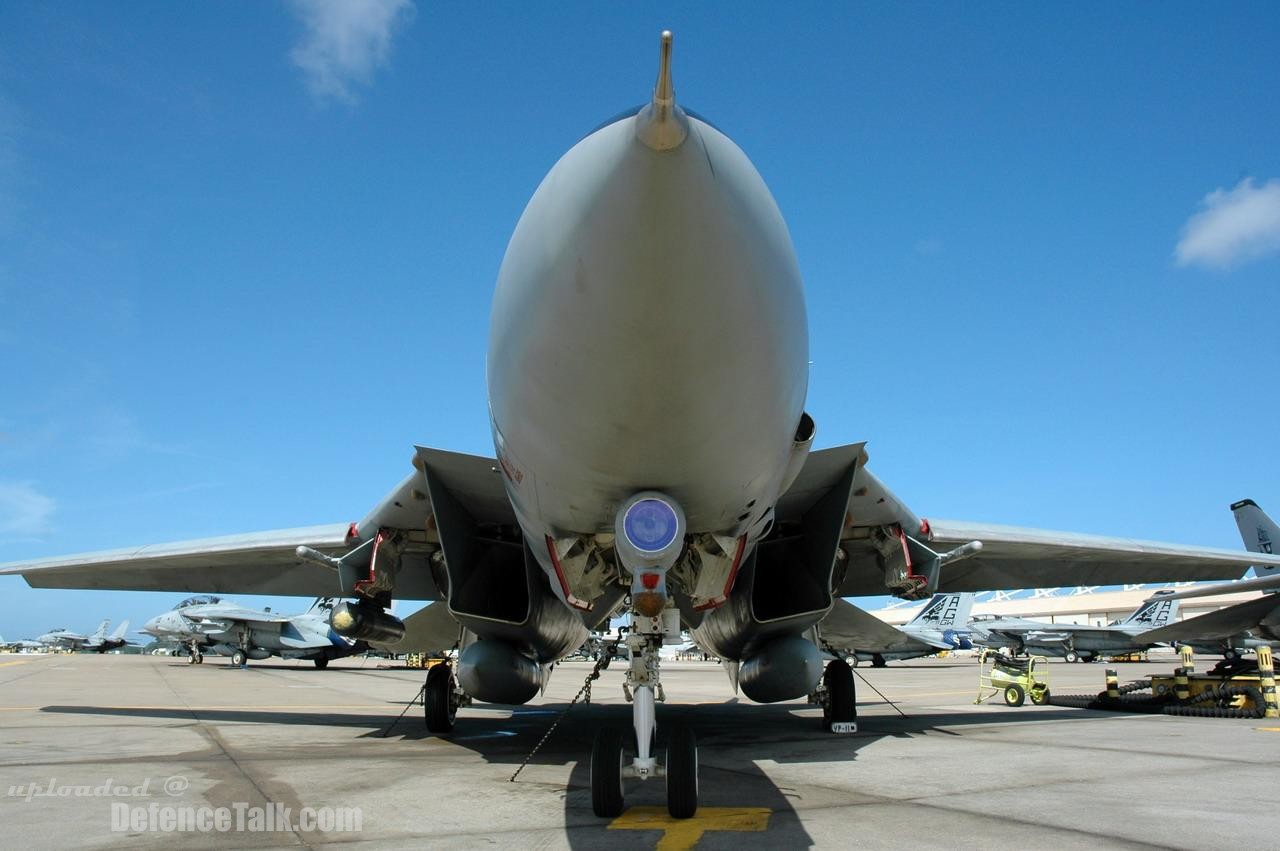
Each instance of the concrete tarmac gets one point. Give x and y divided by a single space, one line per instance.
98 751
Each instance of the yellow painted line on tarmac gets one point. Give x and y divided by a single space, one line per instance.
7 664
1268 729
680 834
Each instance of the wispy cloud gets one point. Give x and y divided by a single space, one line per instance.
1235 225
24 512
345 41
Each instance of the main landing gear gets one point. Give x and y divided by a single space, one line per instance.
609 767
838 698
441 698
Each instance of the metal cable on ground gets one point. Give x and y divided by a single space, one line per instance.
882 697
601 663
392 725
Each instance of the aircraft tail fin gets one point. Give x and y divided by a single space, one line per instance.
102 630
120 631
1153 613
1260 532
945 611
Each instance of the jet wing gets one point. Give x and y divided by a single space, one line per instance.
237 614
1014 557
267 562
1224 623
847 628
1010 556
430 628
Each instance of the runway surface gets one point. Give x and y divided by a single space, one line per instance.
88 743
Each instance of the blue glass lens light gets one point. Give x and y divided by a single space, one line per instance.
650 525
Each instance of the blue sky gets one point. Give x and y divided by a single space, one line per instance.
247 250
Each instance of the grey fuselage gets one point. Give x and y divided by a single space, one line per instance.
648 332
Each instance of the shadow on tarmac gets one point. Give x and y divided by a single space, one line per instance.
734 737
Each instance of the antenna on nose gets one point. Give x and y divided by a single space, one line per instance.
662 125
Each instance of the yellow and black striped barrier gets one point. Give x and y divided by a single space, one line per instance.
1113 686
1181 686
1267 682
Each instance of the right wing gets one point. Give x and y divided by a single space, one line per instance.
267 562
429 629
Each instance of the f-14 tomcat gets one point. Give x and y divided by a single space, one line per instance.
647 372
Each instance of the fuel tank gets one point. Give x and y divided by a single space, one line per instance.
496 672
648 331
783 669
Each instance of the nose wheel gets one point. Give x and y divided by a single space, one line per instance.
609 765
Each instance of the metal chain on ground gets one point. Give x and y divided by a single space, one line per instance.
603 662
882 697
393 724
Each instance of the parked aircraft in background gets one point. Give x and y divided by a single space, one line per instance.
210 624
647 372
21 644
99 642
941 624
1079 642
1243 626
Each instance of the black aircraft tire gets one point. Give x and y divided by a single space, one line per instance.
238 659
191 660
841 699
606 773
322 663
437 699
1072 657
682 773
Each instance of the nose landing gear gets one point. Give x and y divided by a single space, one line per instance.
609 767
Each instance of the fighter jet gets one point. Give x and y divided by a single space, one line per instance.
1079 642
850 633
21 645
1244 626
647 371
99 642
210 624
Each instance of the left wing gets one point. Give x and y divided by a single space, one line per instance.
847 628
887 545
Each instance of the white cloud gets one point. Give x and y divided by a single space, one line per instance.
345 41
1235 224
24 511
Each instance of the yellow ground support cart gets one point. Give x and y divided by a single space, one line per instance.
1017 679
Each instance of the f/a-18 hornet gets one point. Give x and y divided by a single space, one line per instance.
99 642
647 371
209 623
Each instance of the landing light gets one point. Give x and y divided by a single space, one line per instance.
651 525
